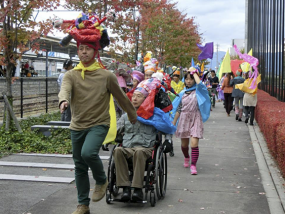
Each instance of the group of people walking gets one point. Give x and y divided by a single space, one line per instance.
88 90
244 102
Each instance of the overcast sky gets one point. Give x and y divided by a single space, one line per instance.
219 21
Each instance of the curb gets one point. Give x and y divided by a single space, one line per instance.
271 178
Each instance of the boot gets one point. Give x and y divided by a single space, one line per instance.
240 115
99 192
126 196
82 209
137 195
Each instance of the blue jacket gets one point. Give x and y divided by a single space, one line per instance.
237 92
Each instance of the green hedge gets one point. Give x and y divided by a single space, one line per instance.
34 141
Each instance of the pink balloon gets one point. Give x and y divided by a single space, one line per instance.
253 63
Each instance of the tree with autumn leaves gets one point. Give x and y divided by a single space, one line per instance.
19 32
169 34
160 28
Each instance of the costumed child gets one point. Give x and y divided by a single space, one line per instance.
192 107
176 83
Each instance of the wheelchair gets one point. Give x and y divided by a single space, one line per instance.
155 179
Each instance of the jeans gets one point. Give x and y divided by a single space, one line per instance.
85 148
251 110
228 102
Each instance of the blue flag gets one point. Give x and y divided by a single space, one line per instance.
192 64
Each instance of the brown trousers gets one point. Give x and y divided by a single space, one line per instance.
139 155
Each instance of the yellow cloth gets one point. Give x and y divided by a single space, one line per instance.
247 83
245 66
96 65
111 136
202 67
178 87
226 65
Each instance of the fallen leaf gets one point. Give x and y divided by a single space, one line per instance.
170 205
44 169
180 200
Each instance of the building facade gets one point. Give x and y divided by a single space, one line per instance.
265 35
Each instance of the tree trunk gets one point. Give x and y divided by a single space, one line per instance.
9 93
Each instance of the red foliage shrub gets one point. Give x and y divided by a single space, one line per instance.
271 119
280 142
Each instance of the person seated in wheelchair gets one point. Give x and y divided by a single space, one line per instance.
138 143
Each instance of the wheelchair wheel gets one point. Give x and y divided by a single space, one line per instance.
163 160
149 180
113 187
160 173
152 199
108 197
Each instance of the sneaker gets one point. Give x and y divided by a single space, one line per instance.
193 170
99 192
246 120
186 162
236 116
82 209
239 119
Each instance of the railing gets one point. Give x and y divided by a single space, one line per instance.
266 38
31 96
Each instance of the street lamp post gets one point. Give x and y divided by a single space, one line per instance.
137 32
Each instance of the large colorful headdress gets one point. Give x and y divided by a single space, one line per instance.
85 29
150 64
139 76
149 89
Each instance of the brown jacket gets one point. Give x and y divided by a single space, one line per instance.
226 86
89 98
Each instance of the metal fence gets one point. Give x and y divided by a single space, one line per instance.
266 38
31 96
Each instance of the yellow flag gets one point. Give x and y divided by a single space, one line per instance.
226 65
202 67
245 66
250 52
111 136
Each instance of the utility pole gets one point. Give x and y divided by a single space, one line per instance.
217 66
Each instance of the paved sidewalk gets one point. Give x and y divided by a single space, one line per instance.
228 180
